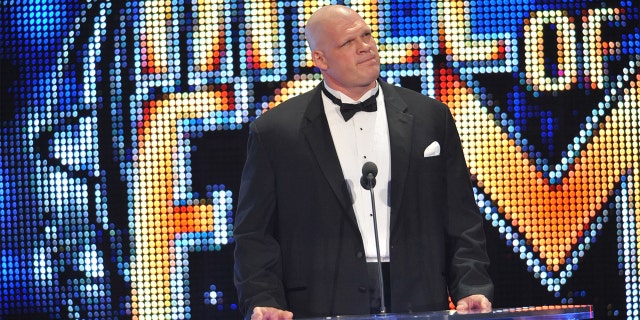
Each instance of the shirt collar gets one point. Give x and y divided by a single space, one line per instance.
344 98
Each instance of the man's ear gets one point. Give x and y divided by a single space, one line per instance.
319 60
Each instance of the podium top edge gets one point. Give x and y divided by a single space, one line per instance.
551 312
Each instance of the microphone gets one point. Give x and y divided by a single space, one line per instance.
369 172
368 181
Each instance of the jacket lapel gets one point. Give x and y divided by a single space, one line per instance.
400 140
316 131
318 135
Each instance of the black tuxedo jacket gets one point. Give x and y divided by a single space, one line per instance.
298 246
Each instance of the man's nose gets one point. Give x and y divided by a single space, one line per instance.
364 46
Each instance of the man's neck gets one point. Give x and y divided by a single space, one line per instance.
355 93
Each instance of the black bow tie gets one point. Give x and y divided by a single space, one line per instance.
350 109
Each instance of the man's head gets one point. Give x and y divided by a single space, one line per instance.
343 48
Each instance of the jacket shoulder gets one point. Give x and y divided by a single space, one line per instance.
414 99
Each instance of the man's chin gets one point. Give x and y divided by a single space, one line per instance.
369 83
371 75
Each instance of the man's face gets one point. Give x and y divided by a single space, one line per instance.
347 55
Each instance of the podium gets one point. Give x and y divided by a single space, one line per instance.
559 312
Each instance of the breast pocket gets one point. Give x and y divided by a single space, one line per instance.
432 167
432 182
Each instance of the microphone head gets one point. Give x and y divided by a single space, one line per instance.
369 172
367 184
369 168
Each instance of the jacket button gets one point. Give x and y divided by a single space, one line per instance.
362 289
359 255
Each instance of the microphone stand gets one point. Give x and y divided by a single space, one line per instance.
383 308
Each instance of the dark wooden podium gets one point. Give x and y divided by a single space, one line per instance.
559 312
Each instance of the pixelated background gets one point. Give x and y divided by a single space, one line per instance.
123 130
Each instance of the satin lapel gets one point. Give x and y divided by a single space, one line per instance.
316 131
400 139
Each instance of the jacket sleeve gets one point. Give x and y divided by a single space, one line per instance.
258 267
468 259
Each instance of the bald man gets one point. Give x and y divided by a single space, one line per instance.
305 233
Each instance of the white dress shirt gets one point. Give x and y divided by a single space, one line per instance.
364 138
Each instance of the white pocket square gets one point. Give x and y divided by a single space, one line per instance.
432 150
